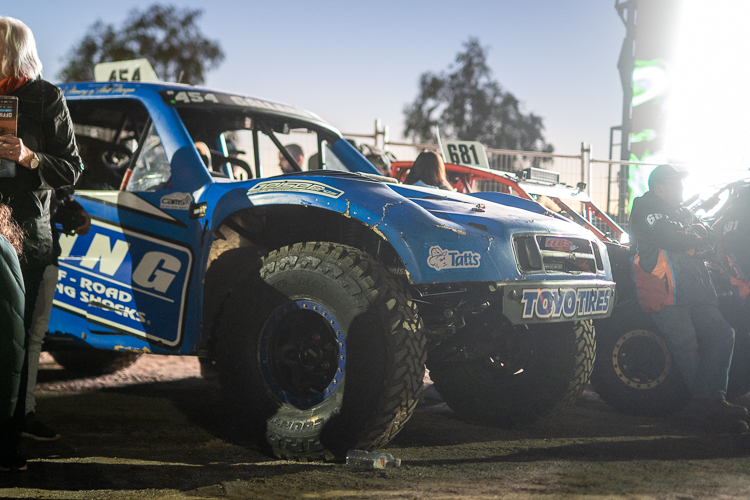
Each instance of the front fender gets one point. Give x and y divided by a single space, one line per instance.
439 239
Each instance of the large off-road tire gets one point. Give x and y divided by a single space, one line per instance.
321 352
537 373
634 371
90 361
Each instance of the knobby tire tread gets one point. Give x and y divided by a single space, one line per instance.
530 402
406 345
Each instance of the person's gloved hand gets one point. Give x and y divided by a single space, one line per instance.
700 230
86 226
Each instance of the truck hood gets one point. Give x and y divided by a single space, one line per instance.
418 222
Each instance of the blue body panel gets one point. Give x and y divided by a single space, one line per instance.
510 201
130 274
134 282
414 220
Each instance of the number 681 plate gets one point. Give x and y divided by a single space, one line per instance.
470 153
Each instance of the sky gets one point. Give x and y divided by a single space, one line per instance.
352 61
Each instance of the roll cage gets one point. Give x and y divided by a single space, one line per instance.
466 179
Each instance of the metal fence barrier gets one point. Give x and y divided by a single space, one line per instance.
601 176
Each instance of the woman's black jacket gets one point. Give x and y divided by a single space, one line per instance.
45 127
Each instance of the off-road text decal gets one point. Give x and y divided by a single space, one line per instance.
125 281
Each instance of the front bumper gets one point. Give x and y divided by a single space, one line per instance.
556 301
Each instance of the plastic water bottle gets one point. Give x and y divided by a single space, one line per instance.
361 459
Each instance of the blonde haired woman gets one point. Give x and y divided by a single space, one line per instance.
42 157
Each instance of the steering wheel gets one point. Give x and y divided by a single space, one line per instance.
116 156
240 168
105 162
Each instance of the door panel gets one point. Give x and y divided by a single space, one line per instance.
126 281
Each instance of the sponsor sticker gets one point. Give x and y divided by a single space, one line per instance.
126 281
440 259
173 97
565 302
295 186
560 244
198 210
176 201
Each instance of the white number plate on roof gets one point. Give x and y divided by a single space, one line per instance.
135 70
470 153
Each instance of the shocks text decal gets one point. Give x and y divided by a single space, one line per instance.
125 281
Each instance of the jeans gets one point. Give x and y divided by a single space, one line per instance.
38 329
32 279
701 343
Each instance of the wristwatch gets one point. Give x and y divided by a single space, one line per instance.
34 161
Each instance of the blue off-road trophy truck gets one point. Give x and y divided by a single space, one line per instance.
321 294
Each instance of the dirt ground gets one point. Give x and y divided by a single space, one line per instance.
157 430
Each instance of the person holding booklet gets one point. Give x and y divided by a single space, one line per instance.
8 114
45 158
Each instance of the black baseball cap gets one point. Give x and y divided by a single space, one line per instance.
663 174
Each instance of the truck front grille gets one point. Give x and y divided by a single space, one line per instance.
557 254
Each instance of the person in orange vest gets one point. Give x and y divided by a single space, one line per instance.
674 286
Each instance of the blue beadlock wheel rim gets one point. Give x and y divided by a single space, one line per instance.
302 353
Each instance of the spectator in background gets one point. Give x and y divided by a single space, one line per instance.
379 158
12 334
45 155
204 153
296 152
428 170
383 167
